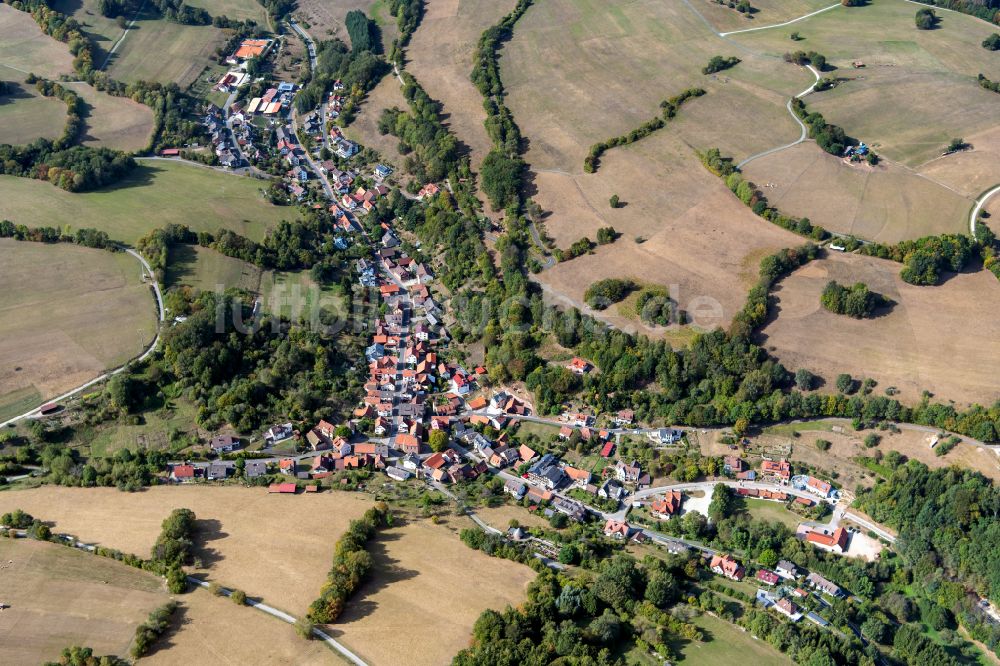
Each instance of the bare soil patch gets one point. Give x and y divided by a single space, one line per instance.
59 596
914 347
67 313
427 591
276 547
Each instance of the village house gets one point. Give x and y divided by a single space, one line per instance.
668 507
571 508
817 582
224 443
665 436
787 608
614 529
767 577
546 472
624 417
612 489
579 366
627 472
578 477
780 470
282 488
818 487
832 543
725 565
787 570
219 470
539 495
398 473
732 465
184 473
254 469
515 488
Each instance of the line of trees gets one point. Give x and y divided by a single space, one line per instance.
669 108
351 564
802 58
502 169
925 259
74 110
988 84
87 237
754 199
856 301
830 138
431 150
408 15
147 633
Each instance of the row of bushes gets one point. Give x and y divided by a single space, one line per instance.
351 564
746 192
154 627
603 293
830 138
408 15
772 268
669 109
74 110
718 63
86 237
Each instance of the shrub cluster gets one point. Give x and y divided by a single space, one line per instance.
603 293
830 138
855 301
718 63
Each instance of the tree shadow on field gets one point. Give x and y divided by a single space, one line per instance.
182 266
142 175
385 572
207 530
15 92
166 640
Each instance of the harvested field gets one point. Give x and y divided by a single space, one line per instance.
912 347
25 48
215 630
248 539
440 57
905 69
766 12
324 19
182 51
428 590
364 129
240 10
208 270
697 238
26 115
886 203
165 192
58 596
578 72
63 326
972 171
114 122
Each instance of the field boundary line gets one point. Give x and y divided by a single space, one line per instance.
779 25
285 617
161 316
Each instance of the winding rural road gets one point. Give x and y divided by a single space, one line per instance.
802 126
161 316
282 615
980 202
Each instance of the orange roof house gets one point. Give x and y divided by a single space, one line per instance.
779 468
251 48
668 506
725 565
477 403
836 542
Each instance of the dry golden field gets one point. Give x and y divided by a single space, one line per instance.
943 339
275 547
85 312
57 597
427 591
214 630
